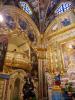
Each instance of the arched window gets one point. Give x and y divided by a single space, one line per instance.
63 7
25 6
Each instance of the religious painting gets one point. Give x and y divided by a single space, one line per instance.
10 22
66 22
68 54
65 59
22 24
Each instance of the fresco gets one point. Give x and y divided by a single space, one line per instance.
68 50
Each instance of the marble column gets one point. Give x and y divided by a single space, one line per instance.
41 68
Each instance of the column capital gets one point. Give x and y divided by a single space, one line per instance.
41 53
41 49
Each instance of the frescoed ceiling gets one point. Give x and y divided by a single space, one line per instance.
42 10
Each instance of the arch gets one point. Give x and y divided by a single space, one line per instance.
21 31
16 83
17 14
62 17
17 71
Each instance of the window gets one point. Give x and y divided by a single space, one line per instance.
63 7
25 7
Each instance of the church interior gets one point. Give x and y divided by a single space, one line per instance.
37 47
